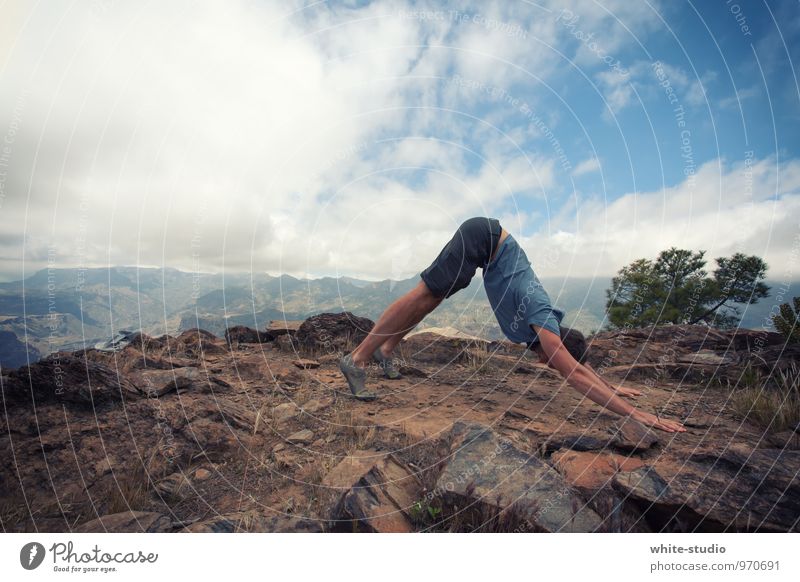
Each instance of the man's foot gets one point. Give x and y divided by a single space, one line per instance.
356 378
387 365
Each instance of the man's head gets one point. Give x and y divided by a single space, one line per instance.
573 340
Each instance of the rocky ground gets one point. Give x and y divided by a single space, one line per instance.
257 432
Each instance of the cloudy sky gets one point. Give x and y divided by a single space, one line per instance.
351 138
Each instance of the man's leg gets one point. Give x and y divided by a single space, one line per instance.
451 271
398 319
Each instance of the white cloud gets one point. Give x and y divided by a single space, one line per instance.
586 167
325 140
725 209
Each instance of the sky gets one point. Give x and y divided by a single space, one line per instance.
352 138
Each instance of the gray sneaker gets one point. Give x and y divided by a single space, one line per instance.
387 365
356 378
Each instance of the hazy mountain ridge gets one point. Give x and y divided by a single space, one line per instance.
70 308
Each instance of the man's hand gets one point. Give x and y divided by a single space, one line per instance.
664 424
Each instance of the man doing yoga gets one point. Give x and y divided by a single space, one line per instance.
520 304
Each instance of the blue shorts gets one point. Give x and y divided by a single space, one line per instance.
471 247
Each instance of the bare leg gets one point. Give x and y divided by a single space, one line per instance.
398 319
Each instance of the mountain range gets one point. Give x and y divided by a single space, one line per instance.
65 309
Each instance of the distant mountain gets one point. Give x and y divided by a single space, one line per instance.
72 308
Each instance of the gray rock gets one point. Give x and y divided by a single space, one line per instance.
486 471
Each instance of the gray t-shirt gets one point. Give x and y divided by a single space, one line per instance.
516 295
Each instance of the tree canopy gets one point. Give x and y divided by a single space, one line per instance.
676 288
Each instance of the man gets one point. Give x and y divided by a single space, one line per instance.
520 304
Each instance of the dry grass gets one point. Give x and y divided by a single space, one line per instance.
129 493
772 403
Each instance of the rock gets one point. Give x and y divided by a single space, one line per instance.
351 468
148 345
155 383
66 378
630 435
305 364
278 327
128 522
314 405
333 332
172 485
486 473
706 357
284 412
287 375
727 488
787 439
754 340
412 371
202 474
240 334
590 472
197 343
440 349
284 343
301 437
251 521
381 498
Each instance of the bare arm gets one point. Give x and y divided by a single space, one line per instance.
619 390
589 384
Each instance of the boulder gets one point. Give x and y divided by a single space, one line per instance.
240 334
332 332
66 378
725 488
434 348
196 343
490 475
380 499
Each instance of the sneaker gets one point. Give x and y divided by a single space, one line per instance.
356 378
387 365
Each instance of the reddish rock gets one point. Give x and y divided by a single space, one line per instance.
592 471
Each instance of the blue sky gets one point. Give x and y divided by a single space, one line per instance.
351 138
